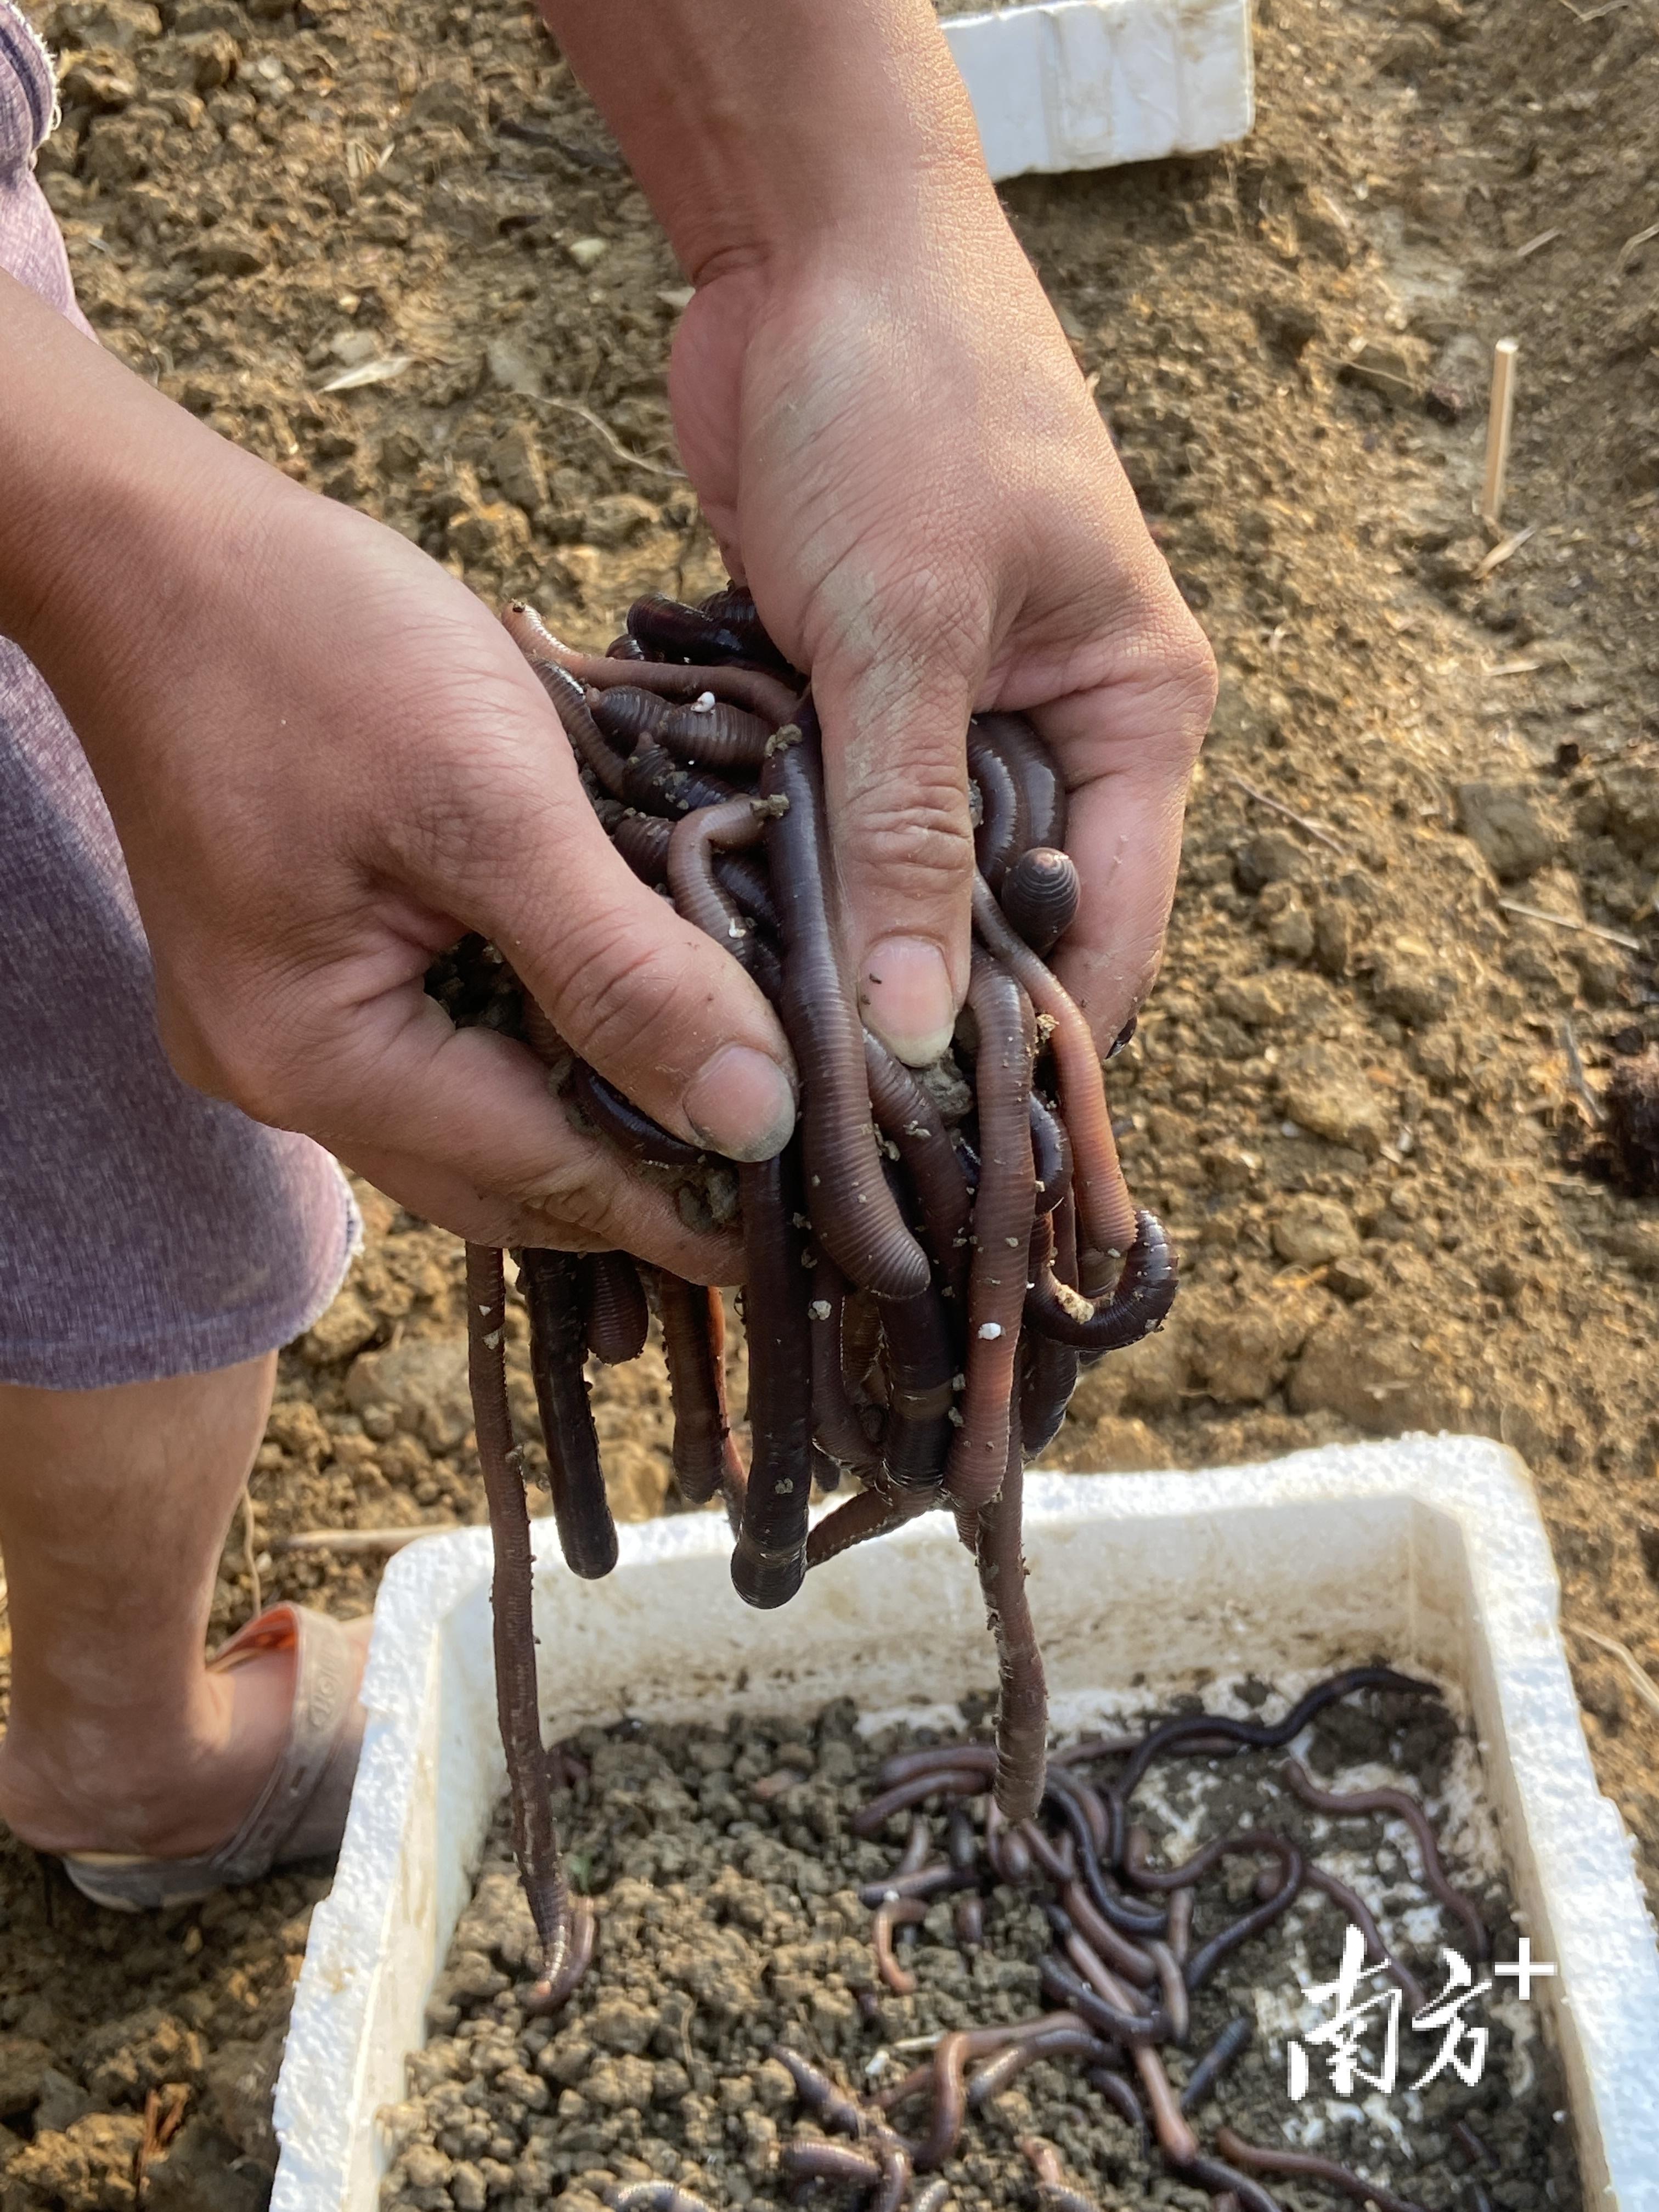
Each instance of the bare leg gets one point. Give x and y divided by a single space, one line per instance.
113 1506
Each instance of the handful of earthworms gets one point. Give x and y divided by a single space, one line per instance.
925 1266
1134 1943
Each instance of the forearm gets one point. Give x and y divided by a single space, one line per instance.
756 126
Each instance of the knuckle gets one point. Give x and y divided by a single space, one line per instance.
917 833
627 998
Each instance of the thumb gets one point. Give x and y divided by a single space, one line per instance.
896 784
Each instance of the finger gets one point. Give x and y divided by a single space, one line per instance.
896 781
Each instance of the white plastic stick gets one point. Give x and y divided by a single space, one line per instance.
1498 429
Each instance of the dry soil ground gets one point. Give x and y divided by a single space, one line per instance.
392 249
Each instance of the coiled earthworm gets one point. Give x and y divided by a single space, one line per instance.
770 1556
1003 831
716 735
950 2102
854 1214
1054 2192
1119 2092
1258 1736
694 1345
618 1320
1003 1215
703 900
752 688
891 1913
1106 1218
910 1120
1291 2163
1021 1688
625 714
1040 895
1351 1903
1045 1857
518 1707
1358 1802
837 1427
551 1286
967 1781
1216 2060
1209 1956
1136 1304
627 1125
657 783
1041 790
588 742
1082 1802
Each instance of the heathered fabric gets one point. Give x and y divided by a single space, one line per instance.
145 1231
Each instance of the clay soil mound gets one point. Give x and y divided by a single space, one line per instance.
1353 1096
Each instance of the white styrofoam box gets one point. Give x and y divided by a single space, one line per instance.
1428 1552
1085 84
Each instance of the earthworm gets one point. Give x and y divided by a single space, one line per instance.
694 1345
549 1997
1040 896
735 607
642 841
1179 1933
654 2197
919 1368
770 1558
894 2160
1291 2163
828 2161
1259 1736
745 882
1048 1379
837 1427
853 1213
720 630
618 1320
968 1921
1054 2192
980 2042
1406 1808
627 1125
587 741
551 1286
868 1513
1085 1804
1003 1215
703 900
1119 2092
954 1782
626 715
917 1845
1099 1976
1023 1695
1174 2137
1467 2140
1067 1987
1121 1954
931 2197
891 1913
1041 790
1128 1915
1051 1154
1007 1848
716 735
1172 1989
904 1765
961 1845
624 648
1096 1746
657 783
950 2102
1003 830
1225 2182
1136 1304
827 2098
517 1705
923 1882
1216 2060
1002 2071
910 1120
1209 1956
752 688
1351 1903
1105 1215
1045 1856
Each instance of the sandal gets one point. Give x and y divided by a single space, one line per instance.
300 1813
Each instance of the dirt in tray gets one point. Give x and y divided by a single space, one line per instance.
1352 1097
725 1878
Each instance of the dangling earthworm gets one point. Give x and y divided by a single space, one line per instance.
1358 1802
716 735
770 1558
1048 1371
694 1345
910 1120
852 1210
550 1996
551 1286
1105 1214
1054 2192
586 740
1040 895
618 1320
1172 1735
1216 2060
656 783
628 1125
1351 1903
751 688
867 1513
836 1428
1136 1304
702 900
1003 1216
1022 1699
1034 771
1003 831
535 1839
1291 2163
919 1368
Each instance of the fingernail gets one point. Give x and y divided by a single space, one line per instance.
740 1103
907 999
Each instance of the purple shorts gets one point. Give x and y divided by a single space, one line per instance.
145 1231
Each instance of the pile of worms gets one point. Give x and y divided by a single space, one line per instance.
925 1266
1133 1944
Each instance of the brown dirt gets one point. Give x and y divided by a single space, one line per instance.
1350 1096
725 1878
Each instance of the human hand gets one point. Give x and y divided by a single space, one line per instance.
326 761
895 447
